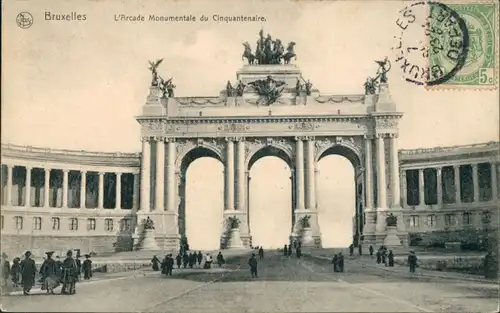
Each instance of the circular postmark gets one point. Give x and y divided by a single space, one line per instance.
24 20
433 44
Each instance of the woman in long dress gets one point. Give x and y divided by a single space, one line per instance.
69 275
49 271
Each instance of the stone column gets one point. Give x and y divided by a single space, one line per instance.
135 196
381 184
83 189
316 174
160 175
9 184
475 182
46 188
439 183
27 191
100 201
240 183
458 198
310 183
369 206
395 185
229 184
299 173
118 197
65 189
421 187
403 189
145 174
494 186
171 179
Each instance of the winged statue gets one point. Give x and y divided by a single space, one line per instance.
152 67
382 70
268 88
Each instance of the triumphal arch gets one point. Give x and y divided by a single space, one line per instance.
271 110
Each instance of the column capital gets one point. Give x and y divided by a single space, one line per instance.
118 174
240 139
309 138
368 136
101 173
380 135
393 136
169 139
83 171
159 138
47 169
439 170
28 167
229 139
474 165
65 170
145 139
299 138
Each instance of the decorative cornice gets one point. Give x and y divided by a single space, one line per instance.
488 146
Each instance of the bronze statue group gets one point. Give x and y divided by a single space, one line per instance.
52 273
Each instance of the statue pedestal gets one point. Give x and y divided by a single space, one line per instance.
234 240
392 240
149 241
307 239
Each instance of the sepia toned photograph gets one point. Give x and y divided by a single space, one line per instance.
250 156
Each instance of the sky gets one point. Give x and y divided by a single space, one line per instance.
79 84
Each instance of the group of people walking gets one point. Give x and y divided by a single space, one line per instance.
185 260
52 272
385 256
288 250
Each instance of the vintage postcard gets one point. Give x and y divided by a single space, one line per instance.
250 156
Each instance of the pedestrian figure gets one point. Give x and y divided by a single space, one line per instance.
490 266
370 249
28 272
169 265
285 250
412 261
199 258
87 267
390 258
178 260
360 249
384 257
208 261
191 259
341 262
69 275
253 266
15 271
220 259
261 253
58 265
185 260
298 251
164 265
351 250
335 262
48 270
379 256
155 263
5 269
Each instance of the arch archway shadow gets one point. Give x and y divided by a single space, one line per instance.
195 154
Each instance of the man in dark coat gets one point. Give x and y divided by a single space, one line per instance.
155 263
390 258
169 265
379 256
191 259
412 261
49 272
335 262
285 251
261 253
490 266
185 259
28 272
87 267
220 259
298 252
69 274
5 269
253 265
199 258
341 262
351 249
178 260
78 265
370 249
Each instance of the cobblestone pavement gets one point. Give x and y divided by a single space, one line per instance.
284 285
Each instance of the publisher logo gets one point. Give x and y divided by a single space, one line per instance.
24 20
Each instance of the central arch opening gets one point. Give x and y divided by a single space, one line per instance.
202 188
270 198
337 197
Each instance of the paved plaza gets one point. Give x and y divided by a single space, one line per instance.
285 284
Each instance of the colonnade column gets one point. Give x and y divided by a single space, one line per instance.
381 184
475 182
145 174
46 188
369 206
395 185
100 199
83 189
439 183
9 184
310 183
456 176
229 184
160 175
171 179
421 187
135 196
65 189
240 183
316 174
299 173
118 197
494 186
403 188
27 194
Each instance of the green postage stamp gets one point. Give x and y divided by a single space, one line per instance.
475 65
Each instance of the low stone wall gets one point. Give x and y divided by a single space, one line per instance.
117 267
16 245
472 264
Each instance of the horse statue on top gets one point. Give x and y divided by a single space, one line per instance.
248 53
290 53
